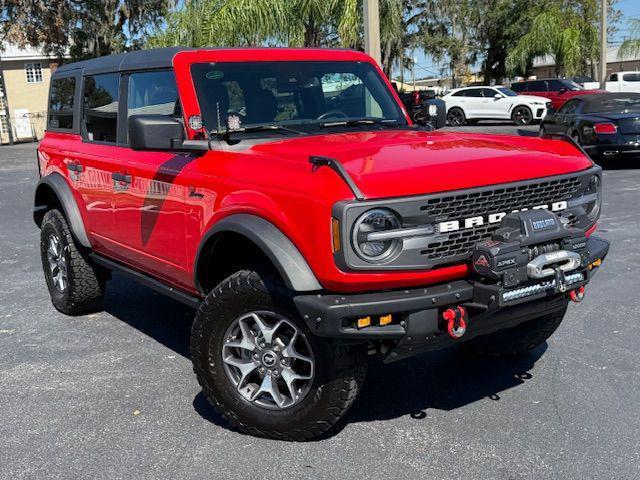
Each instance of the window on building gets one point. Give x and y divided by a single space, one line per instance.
61 102
100 107
33 72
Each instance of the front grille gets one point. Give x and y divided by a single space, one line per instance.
459 244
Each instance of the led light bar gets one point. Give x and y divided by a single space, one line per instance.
539 288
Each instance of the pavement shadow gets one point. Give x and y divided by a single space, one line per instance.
442 380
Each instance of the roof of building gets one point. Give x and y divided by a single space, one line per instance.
612 57
136 60
10 51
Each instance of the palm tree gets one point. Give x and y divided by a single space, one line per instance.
560 32
631 46
304 23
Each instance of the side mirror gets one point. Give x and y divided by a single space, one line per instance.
497 96
562 90
155 132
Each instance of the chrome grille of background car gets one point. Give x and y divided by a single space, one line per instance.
464 205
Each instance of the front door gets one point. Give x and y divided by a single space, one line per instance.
149 192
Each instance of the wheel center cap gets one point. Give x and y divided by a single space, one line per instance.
269 359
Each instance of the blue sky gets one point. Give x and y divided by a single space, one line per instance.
425 66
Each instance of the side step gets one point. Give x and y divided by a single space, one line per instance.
146 280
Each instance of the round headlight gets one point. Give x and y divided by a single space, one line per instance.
592 209
373 221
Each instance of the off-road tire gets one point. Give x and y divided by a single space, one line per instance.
517 340
339 371
84 292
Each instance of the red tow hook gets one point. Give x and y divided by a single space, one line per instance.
577 295
456 319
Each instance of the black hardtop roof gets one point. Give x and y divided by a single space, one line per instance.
143 60
136 60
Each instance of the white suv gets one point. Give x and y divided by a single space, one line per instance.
470 104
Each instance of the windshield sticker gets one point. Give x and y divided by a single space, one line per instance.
214 74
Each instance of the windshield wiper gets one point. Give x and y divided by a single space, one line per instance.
261 128
390 123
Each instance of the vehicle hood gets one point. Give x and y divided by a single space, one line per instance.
583 92
396 163
532 98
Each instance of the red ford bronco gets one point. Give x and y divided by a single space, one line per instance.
286 194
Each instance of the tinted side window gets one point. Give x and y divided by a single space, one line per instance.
473 92
458 94
153 93
488 93
631 77
538 86
101 107
61 103
519 87
556 85
613 77
569 107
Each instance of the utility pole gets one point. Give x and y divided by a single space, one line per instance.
372 29
603 44
3 89
413 72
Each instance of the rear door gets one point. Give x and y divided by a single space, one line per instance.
96 157
474 102
539 88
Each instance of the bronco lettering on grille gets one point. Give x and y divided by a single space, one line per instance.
453 225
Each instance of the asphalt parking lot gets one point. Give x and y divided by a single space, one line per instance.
112 395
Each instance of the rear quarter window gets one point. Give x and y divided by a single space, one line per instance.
519 87
631 77
61 103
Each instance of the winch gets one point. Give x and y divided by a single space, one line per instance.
533 251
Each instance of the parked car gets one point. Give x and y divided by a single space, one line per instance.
624 82
606 125
470 104
307 232
424 108
558 90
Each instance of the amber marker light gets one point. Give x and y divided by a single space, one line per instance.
385 320
363 322
335 235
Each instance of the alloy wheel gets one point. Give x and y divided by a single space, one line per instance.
455 118
523 116
57 263
268 359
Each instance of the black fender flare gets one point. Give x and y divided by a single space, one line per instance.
61 189
284 255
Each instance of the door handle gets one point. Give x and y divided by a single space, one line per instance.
75 167
121 177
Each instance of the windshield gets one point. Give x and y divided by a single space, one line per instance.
507 91
242 95
571 85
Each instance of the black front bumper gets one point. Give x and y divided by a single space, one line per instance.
420 329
